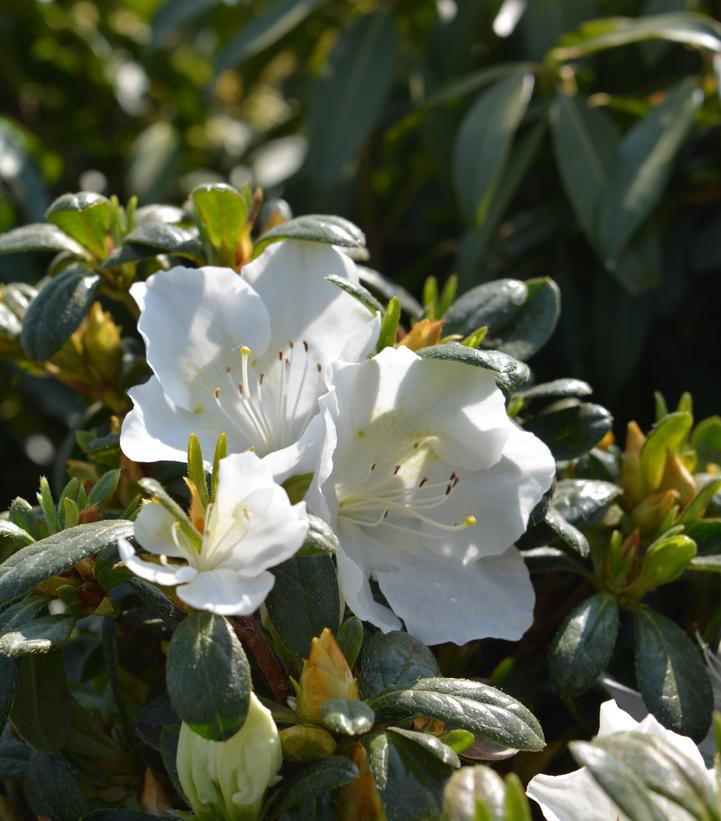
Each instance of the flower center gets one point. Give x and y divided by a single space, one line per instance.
401 491
271 407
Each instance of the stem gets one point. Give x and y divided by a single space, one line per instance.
247 630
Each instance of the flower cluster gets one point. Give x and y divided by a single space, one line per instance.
413 462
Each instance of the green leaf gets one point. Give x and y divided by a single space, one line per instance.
103 490
569 534
312 781
581 501
196 469
304 600
496 361
9 669
672 677
85 217
347 716
56 554
157 602
666 436
516 803
221 213
696 508
14 758
435 746
409 779
39 237
706 441
57 311
348 100
493 304
208 676
358 292
586 144
570 432
644 165
664 561
556 389
118 815
40 708
320 539
474 794
173 13
51 789
458 740
389 325
162 238
350 639
323 228
484 140
265 29
39 636
707 536
388 289
697 30
473 706
584 644
394 660
12 536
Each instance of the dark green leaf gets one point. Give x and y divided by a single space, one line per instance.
157 602
221 213
38 636
672 677
323 228
151 719
707 535
303 601
85 217
8 682
13 758
57 311
103 490
346 103
57 554
644 166
484 140
173 13
569 534
208 676
706 441
584 644
474 794
51 789
580 501
492 304
394 660
350 639
347 716
556 389
388 289
410 780
40 708
445 754
39 237
313 781
320 539
477 707
496 361
264 30
13 537
571 431
118 815
163 238
358 292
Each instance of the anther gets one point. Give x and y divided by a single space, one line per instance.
470 521
423 481
216 393
396 469
306 346
318 367
374 465
261 378
228 369
245 350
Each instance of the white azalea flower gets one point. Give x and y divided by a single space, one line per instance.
428 483
244 355
249 527
577 797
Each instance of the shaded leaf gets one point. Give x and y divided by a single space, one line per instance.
393 661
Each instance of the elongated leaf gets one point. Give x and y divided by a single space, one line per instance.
579 501
40 708
173 13
571 431
320 539
409 778
363 295
166 239
350 639
221 213
492 304
430 744
346 104
325 228
644 165
586 143
57 311
584 644
496 361
8 681
51 789
473 791
394 660
482 709
85 217
666 436
56 554
672 677
39 237
484 141
265 30
313 781
208 676
14 758
39 636
303 601
20 173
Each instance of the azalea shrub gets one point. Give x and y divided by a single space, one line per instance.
322 550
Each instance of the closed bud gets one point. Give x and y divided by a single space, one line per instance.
303 743
676 476
359 799
664 562
634 438
228 779
102 343
649 513
423 334
325 675
632 479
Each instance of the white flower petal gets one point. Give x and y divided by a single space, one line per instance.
572 797
194 321
226 592
153 531
299 458
442 600
164 575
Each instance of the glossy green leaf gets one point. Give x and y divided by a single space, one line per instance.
52 790
570 432
389 325
56 554
706 441
40 709
484 710
174 13
324 228
664 561
531 327
580 501
394 660
85 217
347 102
265 29
221 213
313 781
493 304
9 669
56 312
364 296
435 746
162 238
496 361
556 389
672 677
347 716
39 636
39 237
350 639
304 600
644 165
568 533
208 676
14 758
474 794
666 436
584 644
484 140
102 491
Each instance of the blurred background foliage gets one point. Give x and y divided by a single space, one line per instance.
491 138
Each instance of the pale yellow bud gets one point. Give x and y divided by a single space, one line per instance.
325 675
